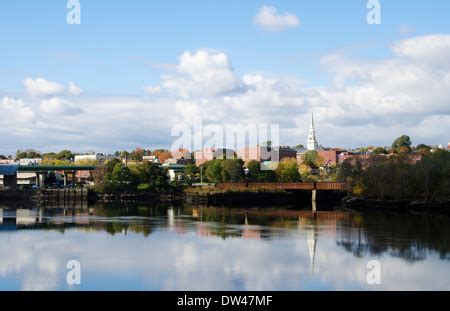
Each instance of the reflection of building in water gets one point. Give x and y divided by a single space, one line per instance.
25 217
328 222
172 224
250 232
312 242
171 217
203 229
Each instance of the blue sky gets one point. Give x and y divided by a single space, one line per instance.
123 46
124 38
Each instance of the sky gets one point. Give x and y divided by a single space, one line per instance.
132 70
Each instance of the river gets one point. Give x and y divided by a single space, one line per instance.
139 247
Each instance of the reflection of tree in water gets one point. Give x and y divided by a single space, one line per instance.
409 237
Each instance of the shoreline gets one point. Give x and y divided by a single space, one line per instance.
229 199
356 204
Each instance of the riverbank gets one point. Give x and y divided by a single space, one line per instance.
356 204
250 198
85 196
261 198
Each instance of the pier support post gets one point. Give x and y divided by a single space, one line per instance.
313 201
41 178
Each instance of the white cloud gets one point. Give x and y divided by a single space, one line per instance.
370 103
203 74
269 19
74 89
42 87
12 110
59 106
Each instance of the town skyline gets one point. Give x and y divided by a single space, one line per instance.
272 63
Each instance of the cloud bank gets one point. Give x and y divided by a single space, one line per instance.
369 102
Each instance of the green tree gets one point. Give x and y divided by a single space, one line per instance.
402 141
312 159
345 172
288 171
191 173
232 170
154 176
27 154
122 178
65 155
213 171
255 174
379 150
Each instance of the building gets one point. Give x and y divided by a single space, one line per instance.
209 154
99 157
151 159
6 161
174 171
263 154
8 176
285 153
312 144
180 156
329 157
28 162
248 154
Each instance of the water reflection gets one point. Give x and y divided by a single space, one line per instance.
154 248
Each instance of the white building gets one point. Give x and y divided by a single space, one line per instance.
312 144
28 162
150 158
99 157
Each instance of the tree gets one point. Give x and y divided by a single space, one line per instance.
27 154
312 159
162 155
423 149
232 170
379 150
122 178
288 171
345 172
137 154
213 171
2 157
154 176
102 176
190 174
402 141
255 174
404 150
65 155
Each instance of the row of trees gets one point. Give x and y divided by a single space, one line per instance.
397 177
233 170
114 176
401 145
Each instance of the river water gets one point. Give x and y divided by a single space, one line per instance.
199 248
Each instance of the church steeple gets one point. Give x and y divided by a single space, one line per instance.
312 144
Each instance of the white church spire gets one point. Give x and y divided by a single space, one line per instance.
312 144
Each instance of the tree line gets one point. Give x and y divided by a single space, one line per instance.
398 178
113 176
